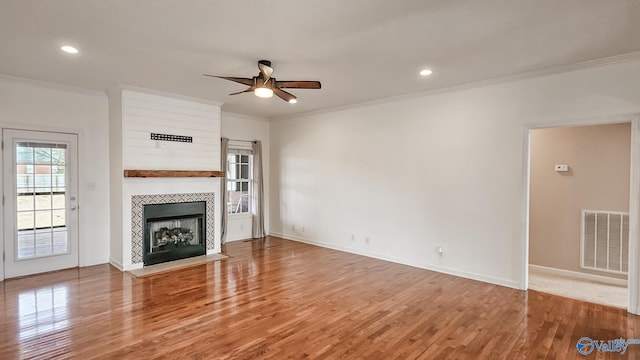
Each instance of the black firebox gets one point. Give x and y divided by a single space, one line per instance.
174 231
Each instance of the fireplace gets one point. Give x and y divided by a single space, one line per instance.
173 231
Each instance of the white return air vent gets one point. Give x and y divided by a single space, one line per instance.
605 241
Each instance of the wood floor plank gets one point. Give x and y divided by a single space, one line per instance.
279 299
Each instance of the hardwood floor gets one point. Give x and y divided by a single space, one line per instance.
279 299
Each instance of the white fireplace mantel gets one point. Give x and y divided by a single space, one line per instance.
148 191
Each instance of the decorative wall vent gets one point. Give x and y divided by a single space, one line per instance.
169 137
605 241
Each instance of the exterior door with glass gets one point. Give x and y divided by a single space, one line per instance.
40 202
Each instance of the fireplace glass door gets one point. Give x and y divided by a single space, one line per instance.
173 231
167 235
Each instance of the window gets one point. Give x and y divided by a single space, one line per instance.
238 181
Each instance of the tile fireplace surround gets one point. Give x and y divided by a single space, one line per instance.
137 225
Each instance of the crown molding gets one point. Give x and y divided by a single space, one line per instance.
554 70
52 85
244 116
123 87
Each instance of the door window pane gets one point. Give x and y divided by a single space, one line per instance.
43 219
58 201
25 202
58 217
26 220
43 243
41 200
26 244
60 243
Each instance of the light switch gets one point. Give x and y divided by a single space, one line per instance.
562 168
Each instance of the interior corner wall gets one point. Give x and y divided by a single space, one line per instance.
598 179
241 127
397 178
31 105
116 168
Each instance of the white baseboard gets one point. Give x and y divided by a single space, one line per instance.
238 239
436 268
577 275
116 264
134 267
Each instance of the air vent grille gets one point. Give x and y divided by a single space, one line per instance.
605 241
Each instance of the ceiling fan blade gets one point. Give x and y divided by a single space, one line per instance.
298 84
244 91
245 81
283 94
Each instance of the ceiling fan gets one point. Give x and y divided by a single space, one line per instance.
263 85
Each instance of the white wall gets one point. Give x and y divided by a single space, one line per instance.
40 106
116 256
418 172
241 127
143 114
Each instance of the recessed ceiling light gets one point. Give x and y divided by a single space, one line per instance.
293 101
426 72
69 49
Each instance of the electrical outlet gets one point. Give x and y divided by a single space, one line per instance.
353 237
303 229
440 250
367 240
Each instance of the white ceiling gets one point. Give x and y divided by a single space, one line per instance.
360 50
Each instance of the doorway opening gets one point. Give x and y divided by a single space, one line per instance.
578 211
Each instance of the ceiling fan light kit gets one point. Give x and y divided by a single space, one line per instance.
265 86
263 92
